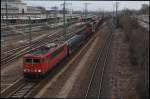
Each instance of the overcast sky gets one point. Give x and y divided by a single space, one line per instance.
92 6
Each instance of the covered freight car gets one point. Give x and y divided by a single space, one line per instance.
86 31
74 43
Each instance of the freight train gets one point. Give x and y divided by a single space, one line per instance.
41 60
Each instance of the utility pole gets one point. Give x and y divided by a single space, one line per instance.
117 13
113 10
55 14
103 13
64 19
30 36
85 12
116 8
99 14
6 11
70 16
70 12
56 8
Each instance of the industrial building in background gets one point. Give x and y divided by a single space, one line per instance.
13 6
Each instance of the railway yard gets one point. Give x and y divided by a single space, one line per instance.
97 58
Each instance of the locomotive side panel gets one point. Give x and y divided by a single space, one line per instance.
56 57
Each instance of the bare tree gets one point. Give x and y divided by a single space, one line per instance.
145 9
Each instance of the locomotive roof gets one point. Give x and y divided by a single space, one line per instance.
37 52
41 50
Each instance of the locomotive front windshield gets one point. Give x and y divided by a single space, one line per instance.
32 61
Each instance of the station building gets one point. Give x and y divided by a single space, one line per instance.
13 6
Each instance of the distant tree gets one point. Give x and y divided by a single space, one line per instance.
145 9
127 12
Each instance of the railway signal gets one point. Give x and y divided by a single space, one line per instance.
30 36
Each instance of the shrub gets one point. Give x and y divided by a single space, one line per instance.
138 40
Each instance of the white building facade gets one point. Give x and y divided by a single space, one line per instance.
13 6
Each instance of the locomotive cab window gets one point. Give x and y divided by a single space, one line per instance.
36 61
28 61
32 61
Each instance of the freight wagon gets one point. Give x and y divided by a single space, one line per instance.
74 43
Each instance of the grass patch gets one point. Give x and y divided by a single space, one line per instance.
138 40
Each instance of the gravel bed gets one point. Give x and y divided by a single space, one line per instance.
120 80
81 84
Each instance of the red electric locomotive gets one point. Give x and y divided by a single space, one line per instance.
39 61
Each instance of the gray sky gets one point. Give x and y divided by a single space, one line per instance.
93 6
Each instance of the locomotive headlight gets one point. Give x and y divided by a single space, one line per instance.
39 70
26 70
35 70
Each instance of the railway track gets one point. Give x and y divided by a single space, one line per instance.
23 49
12 31
22 29
56 35
144 24
95 84
8 51
24 89
22 46
19 26
19 89
143 20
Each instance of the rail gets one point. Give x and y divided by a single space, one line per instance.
95 84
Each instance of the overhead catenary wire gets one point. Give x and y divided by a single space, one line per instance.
30 36
86 10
